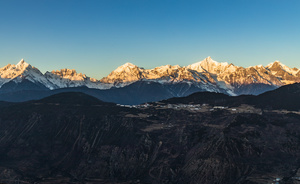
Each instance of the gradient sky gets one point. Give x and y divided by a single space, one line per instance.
96 36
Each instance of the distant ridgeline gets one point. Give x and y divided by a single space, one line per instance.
130 84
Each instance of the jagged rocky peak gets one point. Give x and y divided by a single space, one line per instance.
21 62
209 60
275 65
23 65
23 70
296 69
11 71
68 72
298 73
124 74
279 67
70 78
129 73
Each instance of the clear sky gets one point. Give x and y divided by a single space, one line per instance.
96 36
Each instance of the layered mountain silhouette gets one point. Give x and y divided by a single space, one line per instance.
72 137
286 97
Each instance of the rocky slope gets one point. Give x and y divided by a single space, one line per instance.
65 78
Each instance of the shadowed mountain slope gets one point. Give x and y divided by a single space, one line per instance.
76 138
136 93
285 97
72 98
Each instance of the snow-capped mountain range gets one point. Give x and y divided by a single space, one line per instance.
210 75
207 75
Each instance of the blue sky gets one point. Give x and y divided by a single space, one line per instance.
96 36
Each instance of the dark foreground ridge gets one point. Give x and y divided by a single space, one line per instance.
72 98
285 97
75 138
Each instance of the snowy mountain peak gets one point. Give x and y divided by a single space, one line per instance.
66 72
69 74
274 64
127 67
22 64
65 78
166 67
277 67
17 73
126 73
209 65
13 71
209 60
207 74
